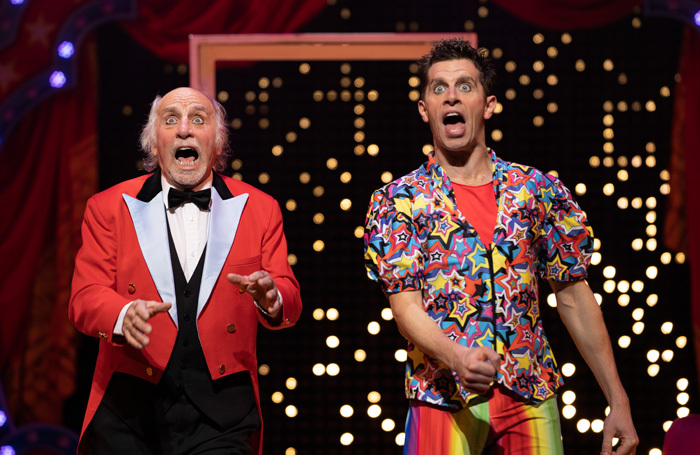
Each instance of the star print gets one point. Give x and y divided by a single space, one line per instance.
479 289
523 382
510 282
508 368
461 309
556 269
426 374
512 321
422 219
440 302
443 384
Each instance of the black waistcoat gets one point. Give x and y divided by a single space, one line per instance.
226 400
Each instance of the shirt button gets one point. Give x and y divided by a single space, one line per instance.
231 328
185 343
186 293
194 254
187 317
149 371
222 369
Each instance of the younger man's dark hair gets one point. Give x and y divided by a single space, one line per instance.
457 49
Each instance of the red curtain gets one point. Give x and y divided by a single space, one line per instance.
50 169
569 14
163 26
686 154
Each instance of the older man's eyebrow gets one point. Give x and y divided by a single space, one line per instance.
173 110
198 108
170 110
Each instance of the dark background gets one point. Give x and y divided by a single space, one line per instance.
642 49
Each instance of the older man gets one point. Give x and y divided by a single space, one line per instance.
176 270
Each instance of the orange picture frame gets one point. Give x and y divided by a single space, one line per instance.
207 50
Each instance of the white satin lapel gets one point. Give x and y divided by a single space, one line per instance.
223 224
151 228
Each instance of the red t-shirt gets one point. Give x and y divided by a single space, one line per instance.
479 207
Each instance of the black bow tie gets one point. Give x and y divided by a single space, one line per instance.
178 197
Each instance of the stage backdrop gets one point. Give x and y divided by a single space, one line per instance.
50 155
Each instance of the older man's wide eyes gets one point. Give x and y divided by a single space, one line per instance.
439 89
171 120
465 87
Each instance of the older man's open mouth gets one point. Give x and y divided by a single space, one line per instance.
186 156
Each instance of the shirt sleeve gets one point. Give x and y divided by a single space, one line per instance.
566 240
119 325
393 255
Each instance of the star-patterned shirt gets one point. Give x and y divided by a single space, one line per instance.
416 239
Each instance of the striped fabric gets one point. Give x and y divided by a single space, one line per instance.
493 424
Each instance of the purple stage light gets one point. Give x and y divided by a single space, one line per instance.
7 450
3 418
57 80
697 18
16 2
66 49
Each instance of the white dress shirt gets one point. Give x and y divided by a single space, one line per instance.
189 227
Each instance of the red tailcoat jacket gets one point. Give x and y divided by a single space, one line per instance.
126 256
